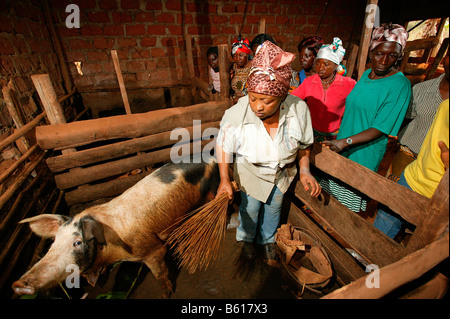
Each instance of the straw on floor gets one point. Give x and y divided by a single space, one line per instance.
197 242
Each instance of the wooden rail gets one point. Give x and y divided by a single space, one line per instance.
131 142
430 216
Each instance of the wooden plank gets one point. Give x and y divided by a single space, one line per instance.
123 91
190 58
262 25
47 94
351 61
366 35
24 130
224 71
201 85
405 202
49 98
435 220
101 171
128 126
437 60
345 266
421 44
365 239
57 45
397 274
120 149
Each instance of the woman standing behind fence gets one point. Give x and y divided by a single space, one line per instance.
325 92
240 52
374 110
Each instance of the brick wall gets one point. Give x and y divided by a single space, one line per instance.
149 34
25 49
149 38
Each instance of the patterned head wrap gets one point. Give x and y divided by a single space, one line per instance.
313 43
389 33
241 46
334 52
271 71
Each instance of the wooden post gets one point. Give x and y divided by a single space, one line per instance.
224 71
353 53
397 274
123 91
50 101
56 43
16 115
190 59
365 40
262 26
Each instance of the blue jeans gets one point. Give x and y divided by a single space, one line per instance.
259 220
388 224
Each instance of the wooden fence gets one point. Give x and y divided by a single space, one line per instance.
430 216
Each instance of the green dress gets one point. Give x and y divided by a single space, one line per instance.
380 104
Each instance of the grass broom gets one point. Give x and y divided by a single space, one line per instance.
198 240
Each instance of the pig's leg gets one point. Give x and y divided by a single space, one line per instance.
157 264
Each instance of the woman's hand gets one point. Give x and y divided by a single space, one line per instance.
335 145
444 153
310 183
225 187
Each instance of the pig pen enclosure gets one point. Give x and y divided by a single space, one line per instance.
74 156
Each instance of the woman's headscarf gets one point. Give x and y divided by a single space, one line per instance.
333 52
240 45
313 43
271 71
388 33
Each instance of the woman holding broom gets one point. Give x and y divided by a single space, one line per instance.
267 130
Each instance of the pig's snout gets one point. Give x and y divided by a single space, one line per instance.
23 288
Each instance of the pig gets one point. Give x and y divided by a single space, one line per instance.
131 227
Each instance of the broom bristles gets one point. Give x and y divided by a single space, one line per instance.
199 239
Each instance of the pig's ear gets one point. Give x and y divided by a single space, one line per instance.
92 229
45 225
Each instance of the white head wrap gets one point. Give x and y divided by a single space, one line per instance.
334 52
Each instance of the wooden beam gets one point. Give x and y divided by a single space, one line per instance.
47 94
366 35
57 45
351 61
397 274
345 266
123 91
128 126
190 58
262 25
24 130
405 202
435 218
437 60
365 239
93 173
120 149
224 72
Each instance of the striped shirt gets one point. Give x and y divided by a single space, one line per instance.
425 100
262 162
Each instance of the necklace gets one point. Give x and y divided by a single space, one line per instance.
329 81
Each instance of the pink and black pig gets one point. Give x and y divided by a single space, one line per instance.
130 227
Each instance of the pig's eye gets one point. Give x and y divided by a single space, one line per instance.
77 243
